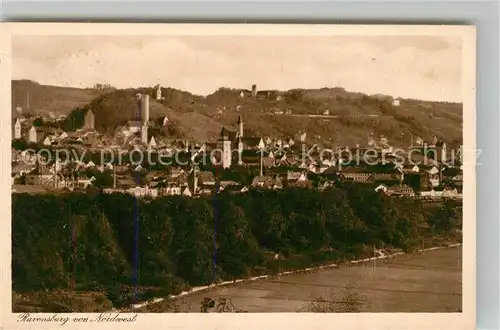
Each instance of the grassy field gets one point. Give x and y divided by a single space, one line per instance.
427 282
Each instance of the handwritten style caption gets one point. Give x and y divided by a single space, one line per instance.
62 320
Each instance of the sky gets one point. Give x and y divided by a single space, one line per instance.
420 67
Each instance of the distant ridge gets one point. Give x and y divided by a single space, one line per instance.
339 117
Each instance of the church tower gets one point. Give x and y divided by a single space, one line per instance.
225 147
240 127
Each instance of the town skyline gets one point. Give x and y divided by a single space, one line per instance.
418 67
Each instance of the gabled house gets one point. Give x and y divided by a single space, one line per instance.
47 141
152 143
186 192
381 188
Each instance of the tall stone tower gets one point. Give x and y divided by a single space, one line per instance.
240 127
89 122
224 144
144 134
144 118
145 108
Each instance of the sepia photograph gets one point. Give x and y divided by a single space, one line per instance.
236 171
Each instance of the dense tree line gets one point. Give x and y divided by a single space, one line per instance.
108 241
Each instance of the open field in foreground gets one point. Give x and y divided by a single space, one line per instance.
428 282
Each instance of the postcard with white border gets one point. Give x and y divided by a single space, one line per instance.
238 176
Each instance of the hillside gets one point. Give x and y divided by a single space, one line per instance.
352 116
91 245
43 98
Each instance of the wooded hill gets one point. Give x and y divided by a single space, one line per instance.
110 243
201 118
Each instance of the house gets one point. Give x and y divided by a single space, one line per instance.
156 176
34 135
90 164
234 189
84 182
266 182
152 143
143 192
408 168
229 141
356 174
63 136
251 143
400 190
326 184
125 182
433 170
134 126
225 183
300 184
451 193
205 178
168 189
176 171
435 192
254 158
47 141
385 177
187 192
296 176
261 181
381 188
